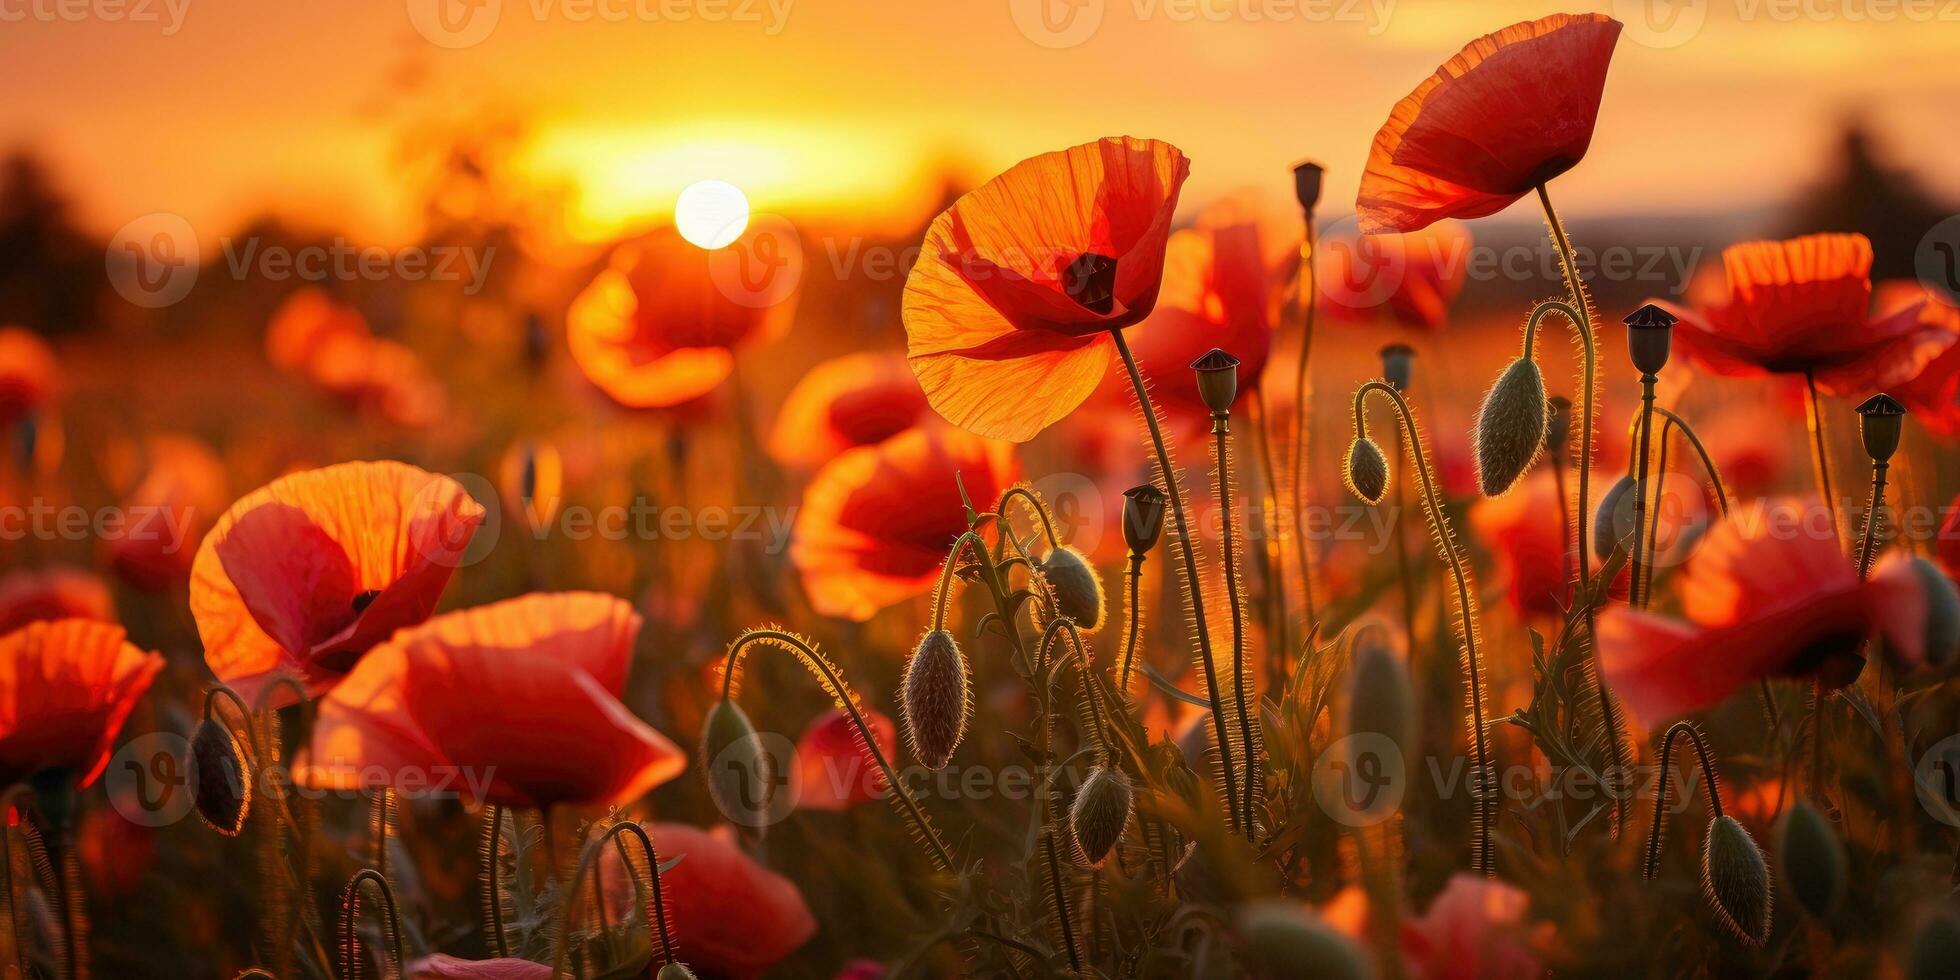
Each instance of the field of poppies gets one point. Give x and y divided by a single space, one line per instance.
1201 589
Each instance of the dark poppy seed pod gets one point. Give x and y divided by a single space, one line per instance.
224 791
1812 859
1306 184
1143 518
1218 379
1078 592
1100 812
741 776
1735 880
674 971
935 699
1398 365
1613 520
1367 470
1936 949
1510 427
1558 424
1284 940
1091 281
1881 420
1650 333
1942 613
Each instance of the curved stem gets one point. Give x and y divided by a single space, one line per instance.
1466 613
1566 530
1398 538
1026 496
941 597
1303 417
655 910
1680 728
1674 421
1221 446
1194 596
350 912
833 682
1091 693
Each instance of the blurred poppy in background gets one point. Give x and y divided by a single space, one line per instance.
523 694
303 575
1511 111
1932 396
855 400
28 375
1531 543
31 595
833 771
167 513
442 966
1405 280
1018 284
876 522
730 915
66 686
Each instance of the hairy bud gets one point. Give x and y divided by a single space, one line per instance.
1100 812
1735 880
1078 592
935 699
674 971
1812 859
1367 470
1510 427
224 789
740 773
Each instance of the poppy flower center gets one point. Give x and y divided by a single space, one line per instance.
1090 280
364 600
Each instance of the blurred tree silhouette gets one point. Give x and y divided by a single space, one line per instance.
1862 192
50 269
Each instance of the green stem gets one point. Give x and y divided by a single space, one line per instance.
1135 579
1652 865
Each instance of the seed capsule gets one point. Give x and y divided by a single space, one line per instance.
1218 379
1735 879
224 794
1812 859
741 776
1398 365
1284 941
1143 518
1613 520
1078 592
1367 470
1510 427
936 701
1100 812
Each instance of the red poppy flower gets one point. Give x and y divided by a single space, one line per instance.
832 772
33 595
1018 284
1524 532
1948 546
877 521
1511 111
1407 280
730 916
855 400
1474 928
659 325
116 853
523 694
66 687
1803 306
382 378
1932 395
442 966
164 517
1767 594
27 373
305 322
303 575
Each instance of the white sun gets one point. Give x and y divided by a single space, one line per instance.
711 213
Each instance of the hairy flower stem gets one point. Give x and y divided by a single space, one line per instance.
493 885
1221 431
1566 529
1465 620
1274 562
351 965
1868 550
1134 578
1194 596
1654 512
1643 448
1398 536
1309 300
1651 866
833 683
655 907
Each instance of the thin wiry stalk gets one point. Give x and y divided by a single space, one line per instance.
1654 514
1027 496
1222 457
942 596
1868 552
654 909
12 893
1567 530
1652 864
832 679
1398 537
1465 608
1194 596
1309 279
1643 444
1058 897
491 882
1274 563
381 827
1134 579
351 966
1098 731
50 881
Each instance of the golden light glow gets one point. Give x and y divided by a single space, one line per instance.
711 213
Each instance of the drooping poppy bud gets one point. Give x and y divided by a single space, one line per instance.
1650 335
1078 592
1607 519
224 789
741 774
1367 470
1218 379
1100 812
1143 518
936 700
1510 427
1881 421
1398 365
1735 880
1812 859
1281 939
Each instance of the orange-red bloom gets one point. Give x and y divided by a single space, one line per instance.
167 513
57 592
1530 540
66 687
1767 594
1511 111
1018 284
658 327
27 373
1803 306
877 521
304 323
1407 280
833 772
1932 395
517 702
730 916
442 966
855 400
1475 928
303 575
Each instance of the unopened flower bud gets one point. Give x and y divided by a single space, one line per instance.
740 772
1218 379
1510 427
1143 518
1614 514
1100 812
1735 880
224 791
1367 470
1078 592
1284 940
935 699
1812 859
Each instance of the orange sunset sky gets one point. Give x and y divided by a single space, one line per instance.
218 109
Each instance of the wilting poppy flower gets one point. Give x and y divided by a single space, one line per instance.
1767 594
659 325
730 916
1018 284
1406 280
27 374
66 687
855 400
166 514
832 771
1476 928
1523 529
304 323
1803 306
517 700
1511 111
303 575
877 521
57 592
442 966
1933 395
